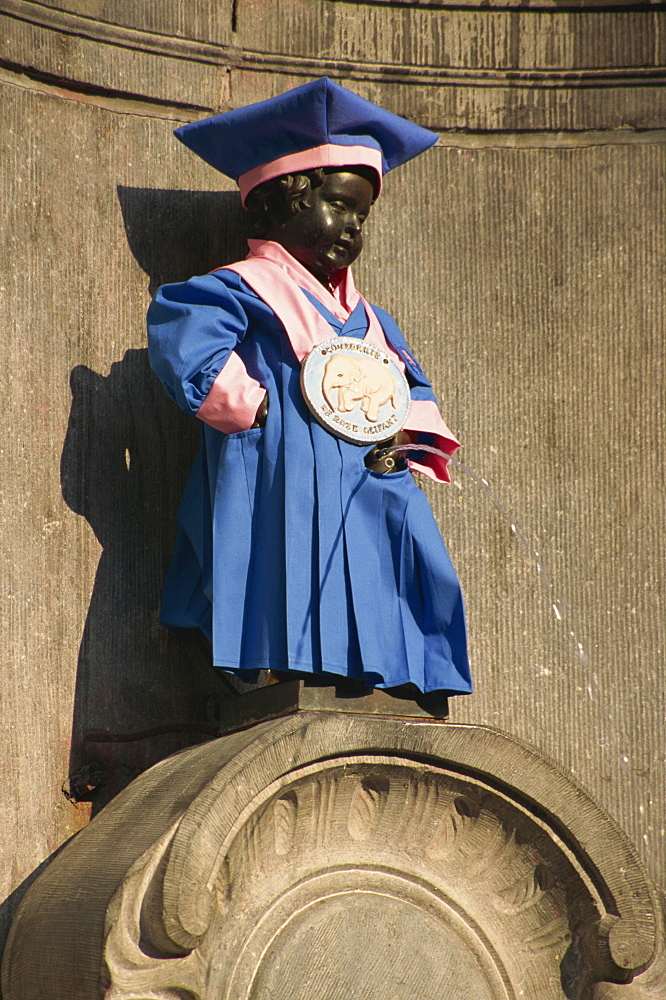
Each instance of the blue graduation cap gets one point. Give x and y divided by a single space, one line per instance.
319 124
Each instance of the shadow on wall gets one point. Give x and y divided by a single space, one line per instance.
10 905
175 234
141 694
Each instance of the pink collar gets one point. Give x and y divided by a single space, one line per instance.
341 301
303 323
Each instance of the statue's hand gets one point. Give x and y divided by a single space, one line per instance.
262 413
393 463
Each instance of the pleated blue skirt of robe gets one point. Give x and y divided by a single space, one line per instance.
291 554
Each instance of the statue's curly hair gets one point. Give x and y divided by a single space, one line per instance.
282 197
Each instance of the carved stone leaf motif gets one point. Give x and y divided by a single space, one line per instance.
444 875
366 807
324 800
460 838
547 936
496 851
483 846
251 840
223 884
417 816
454 827
285 812
525 892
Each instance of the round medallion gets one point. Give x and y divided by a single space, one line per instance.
355 390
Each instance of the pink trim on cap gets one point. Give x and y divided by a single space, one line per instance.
424 417
328 155
233 399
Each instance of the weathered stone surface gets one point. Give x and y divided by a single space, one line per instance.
465 66
329 856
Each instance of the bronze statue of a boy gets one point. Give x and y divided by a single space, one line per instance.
300 548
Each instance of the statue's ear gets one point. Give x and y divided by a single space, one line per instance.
284 206
299 202
276 217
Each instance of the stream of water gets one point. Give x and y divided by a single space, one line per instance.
558 605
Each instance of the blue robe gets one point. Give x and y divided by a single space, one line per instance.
291 554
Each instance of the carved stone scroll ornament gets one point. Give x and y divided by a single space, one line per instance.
314 865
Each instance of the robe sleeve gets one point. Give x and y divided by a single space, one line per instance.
424 423
193 330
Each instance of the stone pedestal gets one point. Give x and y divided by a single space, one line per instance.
329 854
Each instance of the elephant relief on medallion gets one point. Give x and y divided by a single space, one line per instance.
350 380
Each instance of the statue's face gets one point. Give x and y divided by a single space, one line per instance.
326 234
